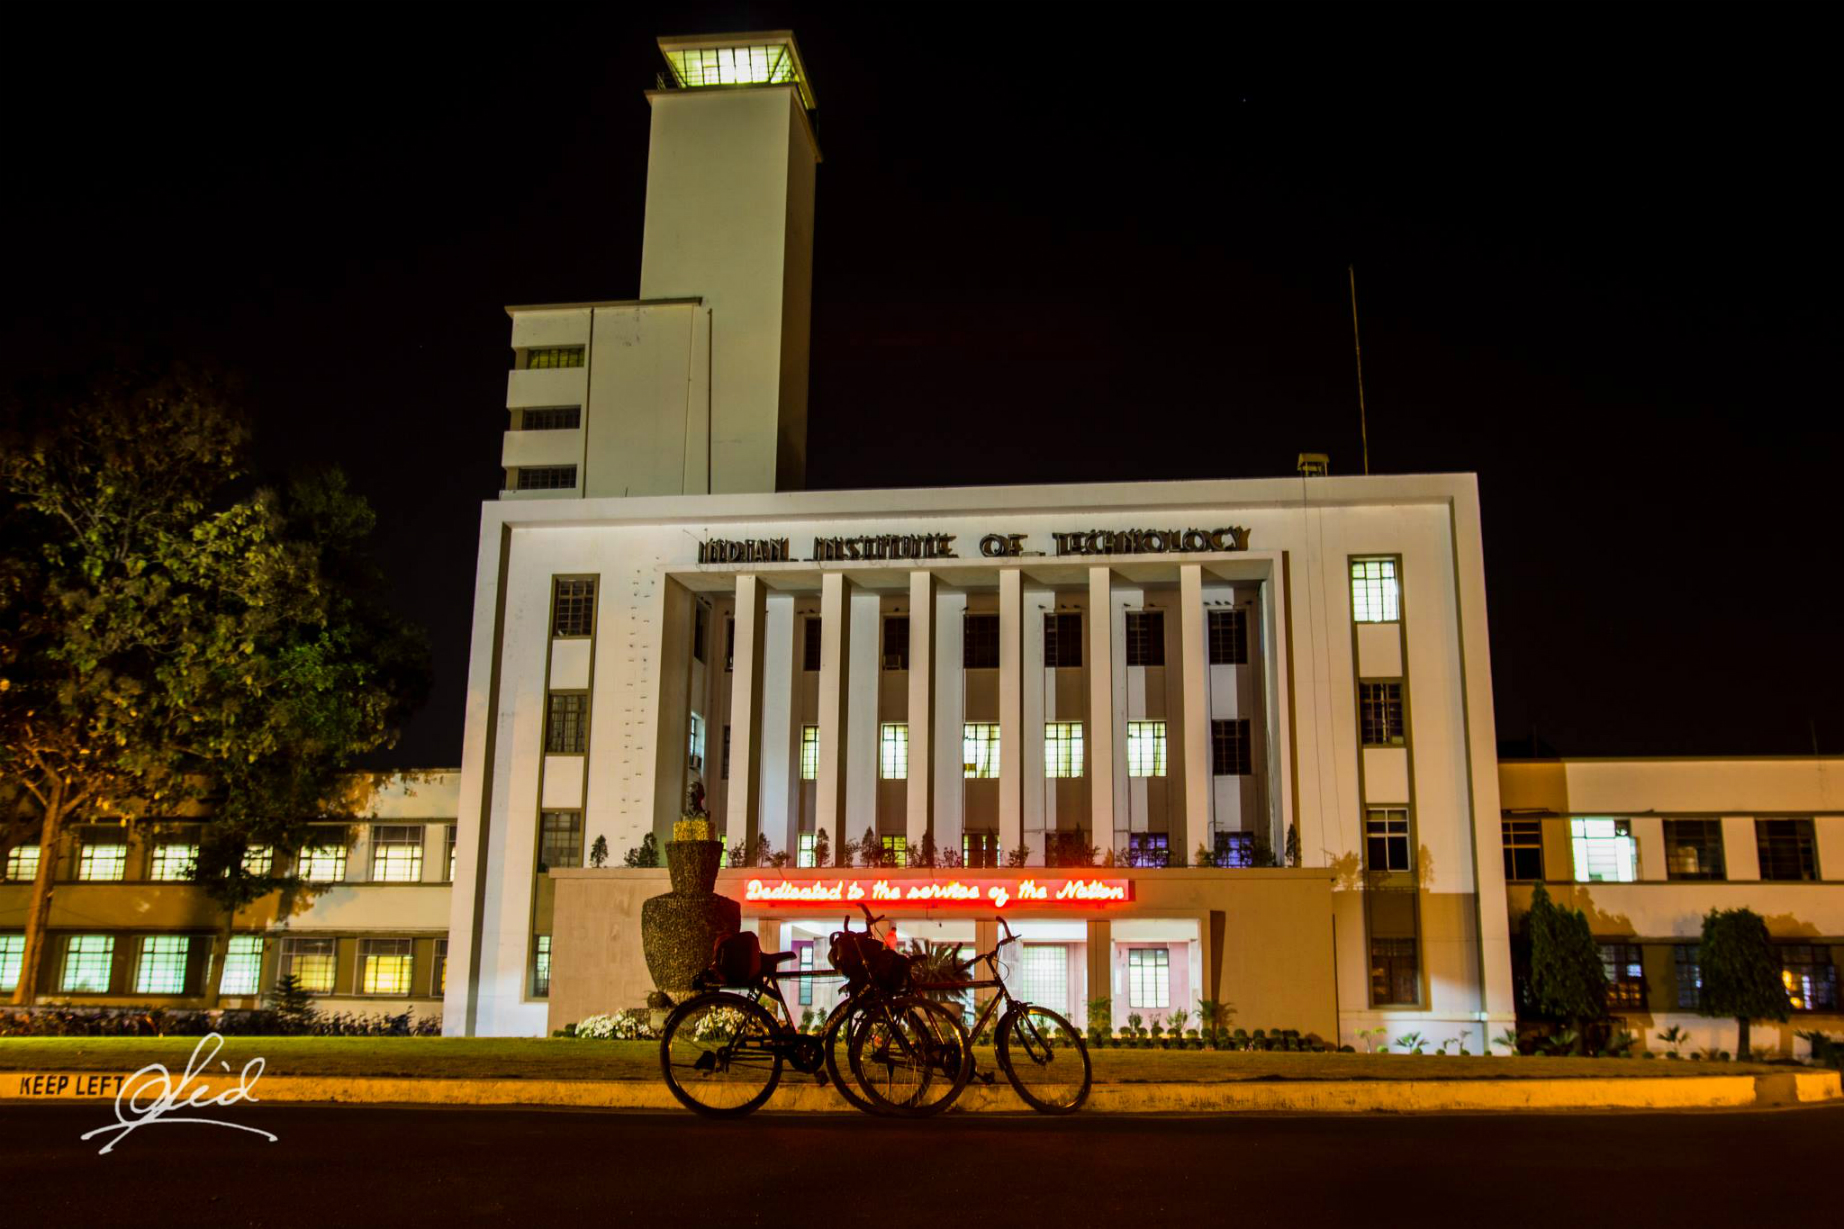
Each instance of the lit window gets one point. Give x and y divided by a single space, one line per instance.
807 855
893 743
551 418
979 750
1231 754
22 864
396 853
1786 848
1523 848
1229 638
694 749
322 863
771 63
541 968
172 862
1604 851
87 963
386 965
12 956
162 968
1145 637
548 357
1063 749
560 840
1062 641
1234 849
896 647
1373 591
243 965
1626 976
438 979
1386 839
547 477
1686 964
449 861
1693 849
1149 977
809 753
1379 707
1395 972
896 850
566 726
102 862
1811 979
1149 849
310 962
572 607
1146 748
979 645
979 848
259 860
1046 976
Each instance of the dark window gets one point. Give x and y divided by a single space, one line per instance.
541 967
1811 979
556 418
1386 839
547 477
553 356
729 644
1230 754
980 848
1379 707
1395 972
1686 965
698 632
1229 638
1693 849
979 643
1148 849
1523 848
1235 849
566 728
1145 637
724 767
1067 849
1062 640
1786 848
560 839
810 652
1626 976
896 642
572 607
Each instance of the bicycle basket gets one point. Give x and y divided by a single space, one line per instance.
736 961
889 970
847 955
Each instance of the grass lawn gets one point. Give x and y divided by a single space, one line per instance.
516 1058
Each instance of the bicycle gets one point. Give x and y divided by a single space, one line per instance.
1044 1057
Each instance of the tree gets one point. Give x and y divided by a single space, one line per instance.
165 646
1741 972
1567 979
822 849
598 852
647 854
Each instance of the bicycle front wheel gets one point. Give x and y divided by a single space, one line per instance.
846 1019
1045 1058
721 1055
909 1055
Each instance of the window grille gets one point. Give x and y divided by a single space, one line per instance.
809 753
449 860
1063 749
1395 972
1693 849
1146 748
1523 848
808 852
810 631
979 750
173 862
102 861
1604 850
980 642
386 966
396 853
979 849
243 965
1786 848
438 976
1062 640
541 968
1149 977
1146 637
1811 979
1374 596
896 850
311 962
12 956
1149 849
560 839
322 863
896 642
893 746
88 963
22 864
1229 638
552 418
1380 714
1687 965
1624 965
1386 839
1046 976
566 727
1235 849
1231 754
547 477
550 357
259 860
162 966
572 607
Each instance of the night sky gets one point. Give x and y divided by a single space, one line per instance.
1596 253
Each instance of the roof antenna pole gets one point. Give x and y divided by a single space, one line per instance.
1357 344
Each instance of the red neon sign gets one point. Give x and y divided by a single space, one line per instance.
935 893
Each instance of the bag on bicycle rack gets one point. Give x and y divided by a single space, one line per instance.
849 954
735 961
889 969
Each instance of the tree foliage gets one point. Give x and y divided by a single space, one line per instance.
171 648
1741 972
1567 979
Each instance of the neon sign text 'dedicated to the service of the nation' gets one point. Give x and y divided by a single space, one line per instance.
984 893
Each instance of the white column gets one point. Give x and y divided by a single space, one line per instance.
743 812
919 792
950 816
1101 737
1194 685
779 776
1011 710
835 649
863 678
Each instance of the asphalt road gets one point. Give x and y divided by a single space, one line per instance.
336 1166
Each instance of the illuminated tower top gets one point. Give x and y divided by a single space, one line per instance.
768 58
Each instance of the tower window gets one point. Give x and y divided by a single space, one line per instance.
1062 641
547 477
896 642
980 642
1374 597
1380 714
1145 637
549 357
1229 638
572 607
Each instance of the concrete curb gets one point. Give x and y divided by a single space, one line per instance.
800 1095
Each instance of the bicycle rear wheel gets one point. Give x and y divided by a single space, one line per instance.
1045 1058
721 1055
839 1030
910 1055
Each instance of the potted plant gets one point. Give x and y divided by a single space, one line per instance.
680 929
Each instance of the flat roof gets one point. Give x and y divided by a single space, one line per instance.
758 57
564 307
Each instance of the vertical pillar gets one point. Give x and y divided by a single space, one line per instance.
1101 736
673 712
743 809
1011 708
1101 977
1194 675
835 649
919 794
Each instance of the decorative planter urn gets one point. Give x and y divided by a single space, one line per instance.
679 929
